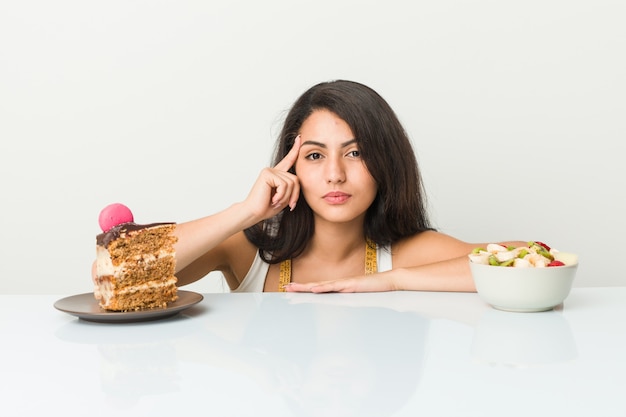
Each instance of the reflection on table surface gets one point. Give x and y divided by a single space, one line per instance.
392 354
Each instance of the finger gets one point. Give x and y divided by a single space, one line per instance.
296 287
283 184
295 195
317 287
367 283
370 283
286 190
294 192
290 159
344 285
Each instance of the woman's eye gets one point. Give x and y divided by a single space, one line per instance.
314 156
354 154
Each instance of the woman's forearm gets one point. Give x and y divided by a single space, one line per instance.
449 275
197 237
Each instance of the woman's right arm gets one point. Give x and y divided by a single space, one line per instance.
202 244
200 237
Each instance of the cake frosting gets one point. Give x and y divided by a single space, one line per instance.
135 265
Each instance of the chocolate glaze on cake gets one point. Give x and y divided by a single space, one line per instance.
104 239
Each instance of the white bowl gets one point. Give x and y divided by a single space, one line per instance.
525 289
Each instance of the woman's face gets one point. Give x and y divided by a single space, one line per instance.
333 177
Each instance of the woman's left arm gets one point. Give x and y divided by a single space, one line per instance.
430 261
449 275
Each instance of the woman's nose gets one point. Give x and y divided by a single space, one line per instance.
335 172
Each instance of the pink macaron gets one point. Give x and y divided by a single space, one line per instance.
113 215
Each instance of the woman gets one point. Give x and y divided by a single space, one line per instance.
343 200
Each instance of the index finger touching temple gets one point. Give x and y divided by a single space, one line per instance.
290 159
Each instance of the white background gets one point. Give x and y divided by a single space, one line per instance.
516 110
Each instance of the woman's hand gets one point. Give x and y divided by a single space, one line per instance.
275 188
366 283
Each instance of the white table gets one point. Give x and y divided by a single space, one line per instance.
386 354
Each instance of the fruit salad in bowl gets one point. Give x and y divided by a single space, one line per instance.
528 278
535 255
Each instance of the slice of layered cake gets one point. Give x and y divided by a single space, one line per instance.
135 263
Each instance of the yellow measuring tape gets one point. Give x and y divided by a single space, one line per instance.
285 275
371 266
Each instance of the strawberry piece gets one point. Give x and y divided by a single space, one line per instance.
556 263
546 247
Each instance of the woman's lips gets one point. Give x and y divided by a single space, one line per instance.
336 197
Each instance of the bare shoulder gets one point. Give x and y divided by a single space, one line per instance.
428 247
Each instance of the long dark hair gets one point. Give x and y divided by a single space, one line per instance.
399 209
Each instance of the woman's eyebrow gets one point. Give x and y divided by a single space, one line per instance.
323 145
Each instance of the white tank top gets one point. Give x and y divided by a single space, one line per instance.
254 280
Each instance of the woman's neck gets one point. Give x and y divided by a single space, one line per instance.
335 242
